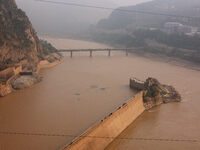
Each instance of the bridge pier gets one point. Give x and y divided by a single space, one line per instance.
90 53
109 52
126 52
71 53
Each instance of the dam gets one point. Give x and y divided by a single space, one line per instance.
78 93
110 127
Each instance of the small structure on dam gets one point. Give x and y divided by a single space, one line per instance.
155 93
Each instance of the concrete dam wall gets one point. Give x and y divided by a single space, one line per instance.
110 127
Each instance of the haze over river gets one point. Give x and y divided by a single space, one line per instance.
82 90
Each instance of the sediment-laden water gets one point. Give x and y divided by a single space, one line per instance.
82 90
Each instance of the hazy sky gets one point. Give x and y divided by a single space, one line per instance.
128 2
32 7
47 17
109 3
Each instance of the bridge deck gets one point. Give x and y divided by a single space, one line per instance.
71 51
88 50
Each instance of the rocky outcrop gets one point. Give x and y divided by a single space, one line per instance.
53 57
18 39
5 89
155 93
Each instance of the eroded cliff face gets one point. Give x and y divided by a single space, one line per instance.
19 43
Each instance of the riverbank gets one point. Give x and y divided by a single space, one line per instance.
65 43
15 78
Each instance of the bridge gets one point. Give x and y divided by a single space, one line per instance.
71 51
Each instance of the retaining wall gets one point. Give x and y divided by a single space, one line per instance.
110 127
7 73
137 84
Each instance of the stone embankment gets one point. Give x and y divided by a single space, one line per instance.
6 78
150 94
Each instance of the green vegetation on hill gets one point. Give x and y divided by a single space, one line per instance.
138 38
155 41
145 30
47 47
174 40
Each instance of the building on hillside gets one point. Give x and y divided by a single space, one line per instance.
172 27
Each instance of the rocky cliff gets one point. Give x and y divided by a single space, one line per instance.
18 40
21 52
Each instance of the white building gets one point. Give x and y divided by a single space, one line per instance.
172 27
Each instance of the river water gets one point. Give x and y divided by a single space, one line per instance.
82 90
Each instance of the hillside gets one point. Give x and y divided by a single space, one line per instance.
19 43
119 20
21 51
18 39
146 32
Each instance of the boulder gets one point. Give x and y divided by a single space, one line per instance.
25 81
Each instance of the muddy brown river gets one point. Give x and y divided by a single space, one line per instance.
82 90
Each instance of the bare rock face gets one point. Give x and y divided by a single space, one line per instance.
18 39
20 46
156 93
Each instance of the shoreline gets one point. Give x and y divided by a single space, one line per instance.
46 65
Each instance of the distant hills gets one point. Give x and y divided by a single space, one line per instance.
121 20
146 32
